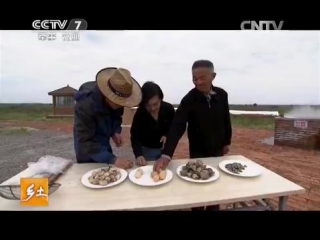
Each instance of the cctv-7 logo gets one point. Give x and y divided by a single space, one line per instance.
78 24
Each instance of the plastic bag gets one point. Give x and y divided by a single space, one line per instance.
47 166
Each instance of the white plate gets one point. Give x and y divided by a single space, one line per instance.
85 181
213 178
146 179
252 169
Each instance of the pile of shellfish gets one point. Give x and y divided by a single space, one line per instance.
197 170
105 176
235 167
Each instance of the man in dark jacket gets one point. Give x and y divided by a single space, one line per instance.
98 115
206 110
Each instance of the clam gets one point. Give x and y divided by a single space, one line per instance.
205 175
191 163
183 172
195 176
199 163
210 171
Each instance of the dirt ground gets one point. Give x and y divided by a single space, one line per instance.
299 166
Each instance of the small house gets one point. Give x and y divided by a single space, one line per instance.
63 102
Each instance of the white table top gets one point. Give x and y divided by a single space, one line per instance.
177 194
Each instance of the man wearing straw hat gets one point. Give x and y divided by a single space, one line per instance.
98 116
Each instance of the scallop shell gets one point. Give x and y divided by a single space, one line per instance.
95 181
103 182
113 178
95 176
100 173
118 176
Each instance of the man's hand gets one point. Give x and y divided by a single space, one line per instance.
117 139
141 161
161 164
226 149
123 163
163 141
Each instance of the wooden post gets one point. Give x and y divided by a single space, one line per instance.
54 104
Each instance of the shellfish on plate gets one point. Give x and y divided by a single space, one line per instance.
105 176
197 170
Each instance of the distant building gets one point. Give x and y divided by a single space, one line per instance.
63 102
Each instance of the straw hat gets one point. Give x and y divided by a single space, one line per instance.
118 86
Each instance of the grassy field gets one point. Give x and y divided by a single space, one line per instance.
24 111
252 122
32 112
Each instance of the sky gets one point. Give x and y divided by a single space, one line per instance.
263 67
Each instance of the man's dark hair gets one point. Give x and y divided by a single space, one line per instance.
88 86
150 90
202 64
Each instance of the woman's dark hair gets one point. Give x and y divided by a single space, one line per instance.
150 90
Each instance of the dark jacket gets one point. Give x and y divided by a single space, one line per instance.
146 131
209 125
94 124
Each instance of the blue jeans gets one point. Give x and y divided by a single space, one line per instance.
151 154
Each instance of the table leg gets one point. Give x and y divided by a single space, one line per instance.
213 208
282 203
